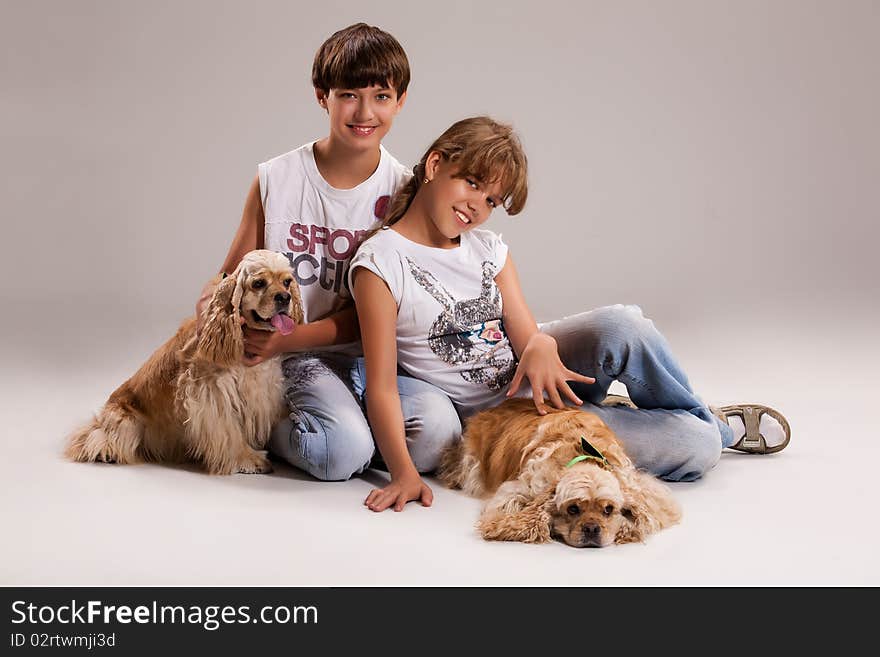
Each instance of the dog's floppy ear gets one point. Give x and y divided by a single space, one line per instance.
240 275
220 340
296 306
527 522
648 506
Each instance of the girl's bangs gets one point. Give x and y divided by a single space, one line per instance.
495 161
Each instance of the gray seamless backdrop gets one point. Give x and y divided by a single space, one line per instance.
701 159
715 162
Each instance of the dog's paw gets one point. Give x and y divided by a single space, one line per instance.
255 463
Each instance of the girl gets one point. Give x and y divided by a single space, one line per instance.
429 286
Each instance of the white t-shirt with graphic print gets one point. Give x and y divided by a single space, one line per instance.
320 227
449 327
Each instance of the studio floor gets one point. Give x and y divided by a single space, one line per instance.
806 516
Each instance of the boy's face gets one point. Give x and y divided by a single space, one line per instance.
360 118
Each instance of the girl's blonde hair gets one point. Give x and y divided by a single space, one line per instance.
480 148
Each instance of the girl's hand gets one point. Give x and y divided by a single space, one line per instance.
399 492
260 345
540 363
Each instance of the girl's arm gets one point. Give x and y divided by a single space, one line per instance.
338 328
538 355
377 313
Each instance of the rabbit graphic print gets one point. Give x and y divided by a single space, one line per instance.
449 323
470 331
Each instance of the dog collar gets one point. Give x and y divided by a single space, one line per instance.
590 454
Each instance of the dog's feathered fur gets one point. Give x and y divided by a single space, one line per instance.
518 457
194 399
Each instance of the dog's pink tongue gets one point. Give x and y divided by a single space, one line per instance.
282 323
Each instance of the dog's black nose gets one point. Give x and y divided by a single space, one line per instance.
591 530
592 535
282 298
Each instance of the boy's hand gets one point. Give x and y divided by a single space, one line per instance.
399 492
260 345
540 363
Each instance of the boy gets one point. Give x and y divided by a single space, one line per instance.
315 204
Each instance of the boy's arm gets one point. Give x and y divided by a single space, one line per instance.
248 237
539 360
339 328
377 313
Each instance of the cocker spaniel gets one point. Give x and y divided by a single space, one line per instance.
561 475
194 399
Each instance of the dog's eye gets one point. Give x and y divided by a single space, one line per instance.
573 509
257 284
287 282
608 510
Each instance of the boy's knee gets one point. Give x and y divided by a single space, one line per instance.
342 464
433 426
349 447
329 447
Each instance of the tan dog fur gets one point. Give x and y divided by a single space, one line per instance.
517 458
194 399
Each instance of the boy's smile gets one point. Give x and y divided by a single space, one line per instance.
363 130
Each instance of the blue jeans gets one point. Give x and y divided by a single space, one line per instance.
327 433
672 434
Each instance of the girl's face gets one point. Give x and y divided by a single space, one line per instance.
360 118
456 205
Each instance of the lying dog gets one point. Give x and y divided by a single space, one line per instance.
194 399
561 475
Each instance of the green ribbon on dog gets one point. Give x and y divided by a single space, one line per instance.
590 453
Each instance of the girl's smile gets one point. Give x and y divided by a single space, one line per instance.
448 204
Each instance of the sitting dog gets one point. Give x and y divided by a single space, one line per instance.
561 475
194 399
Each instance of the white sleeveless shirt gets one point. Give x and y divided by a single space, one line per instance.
320 227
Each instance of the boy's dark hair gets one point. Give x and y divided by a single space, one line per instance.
360 56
